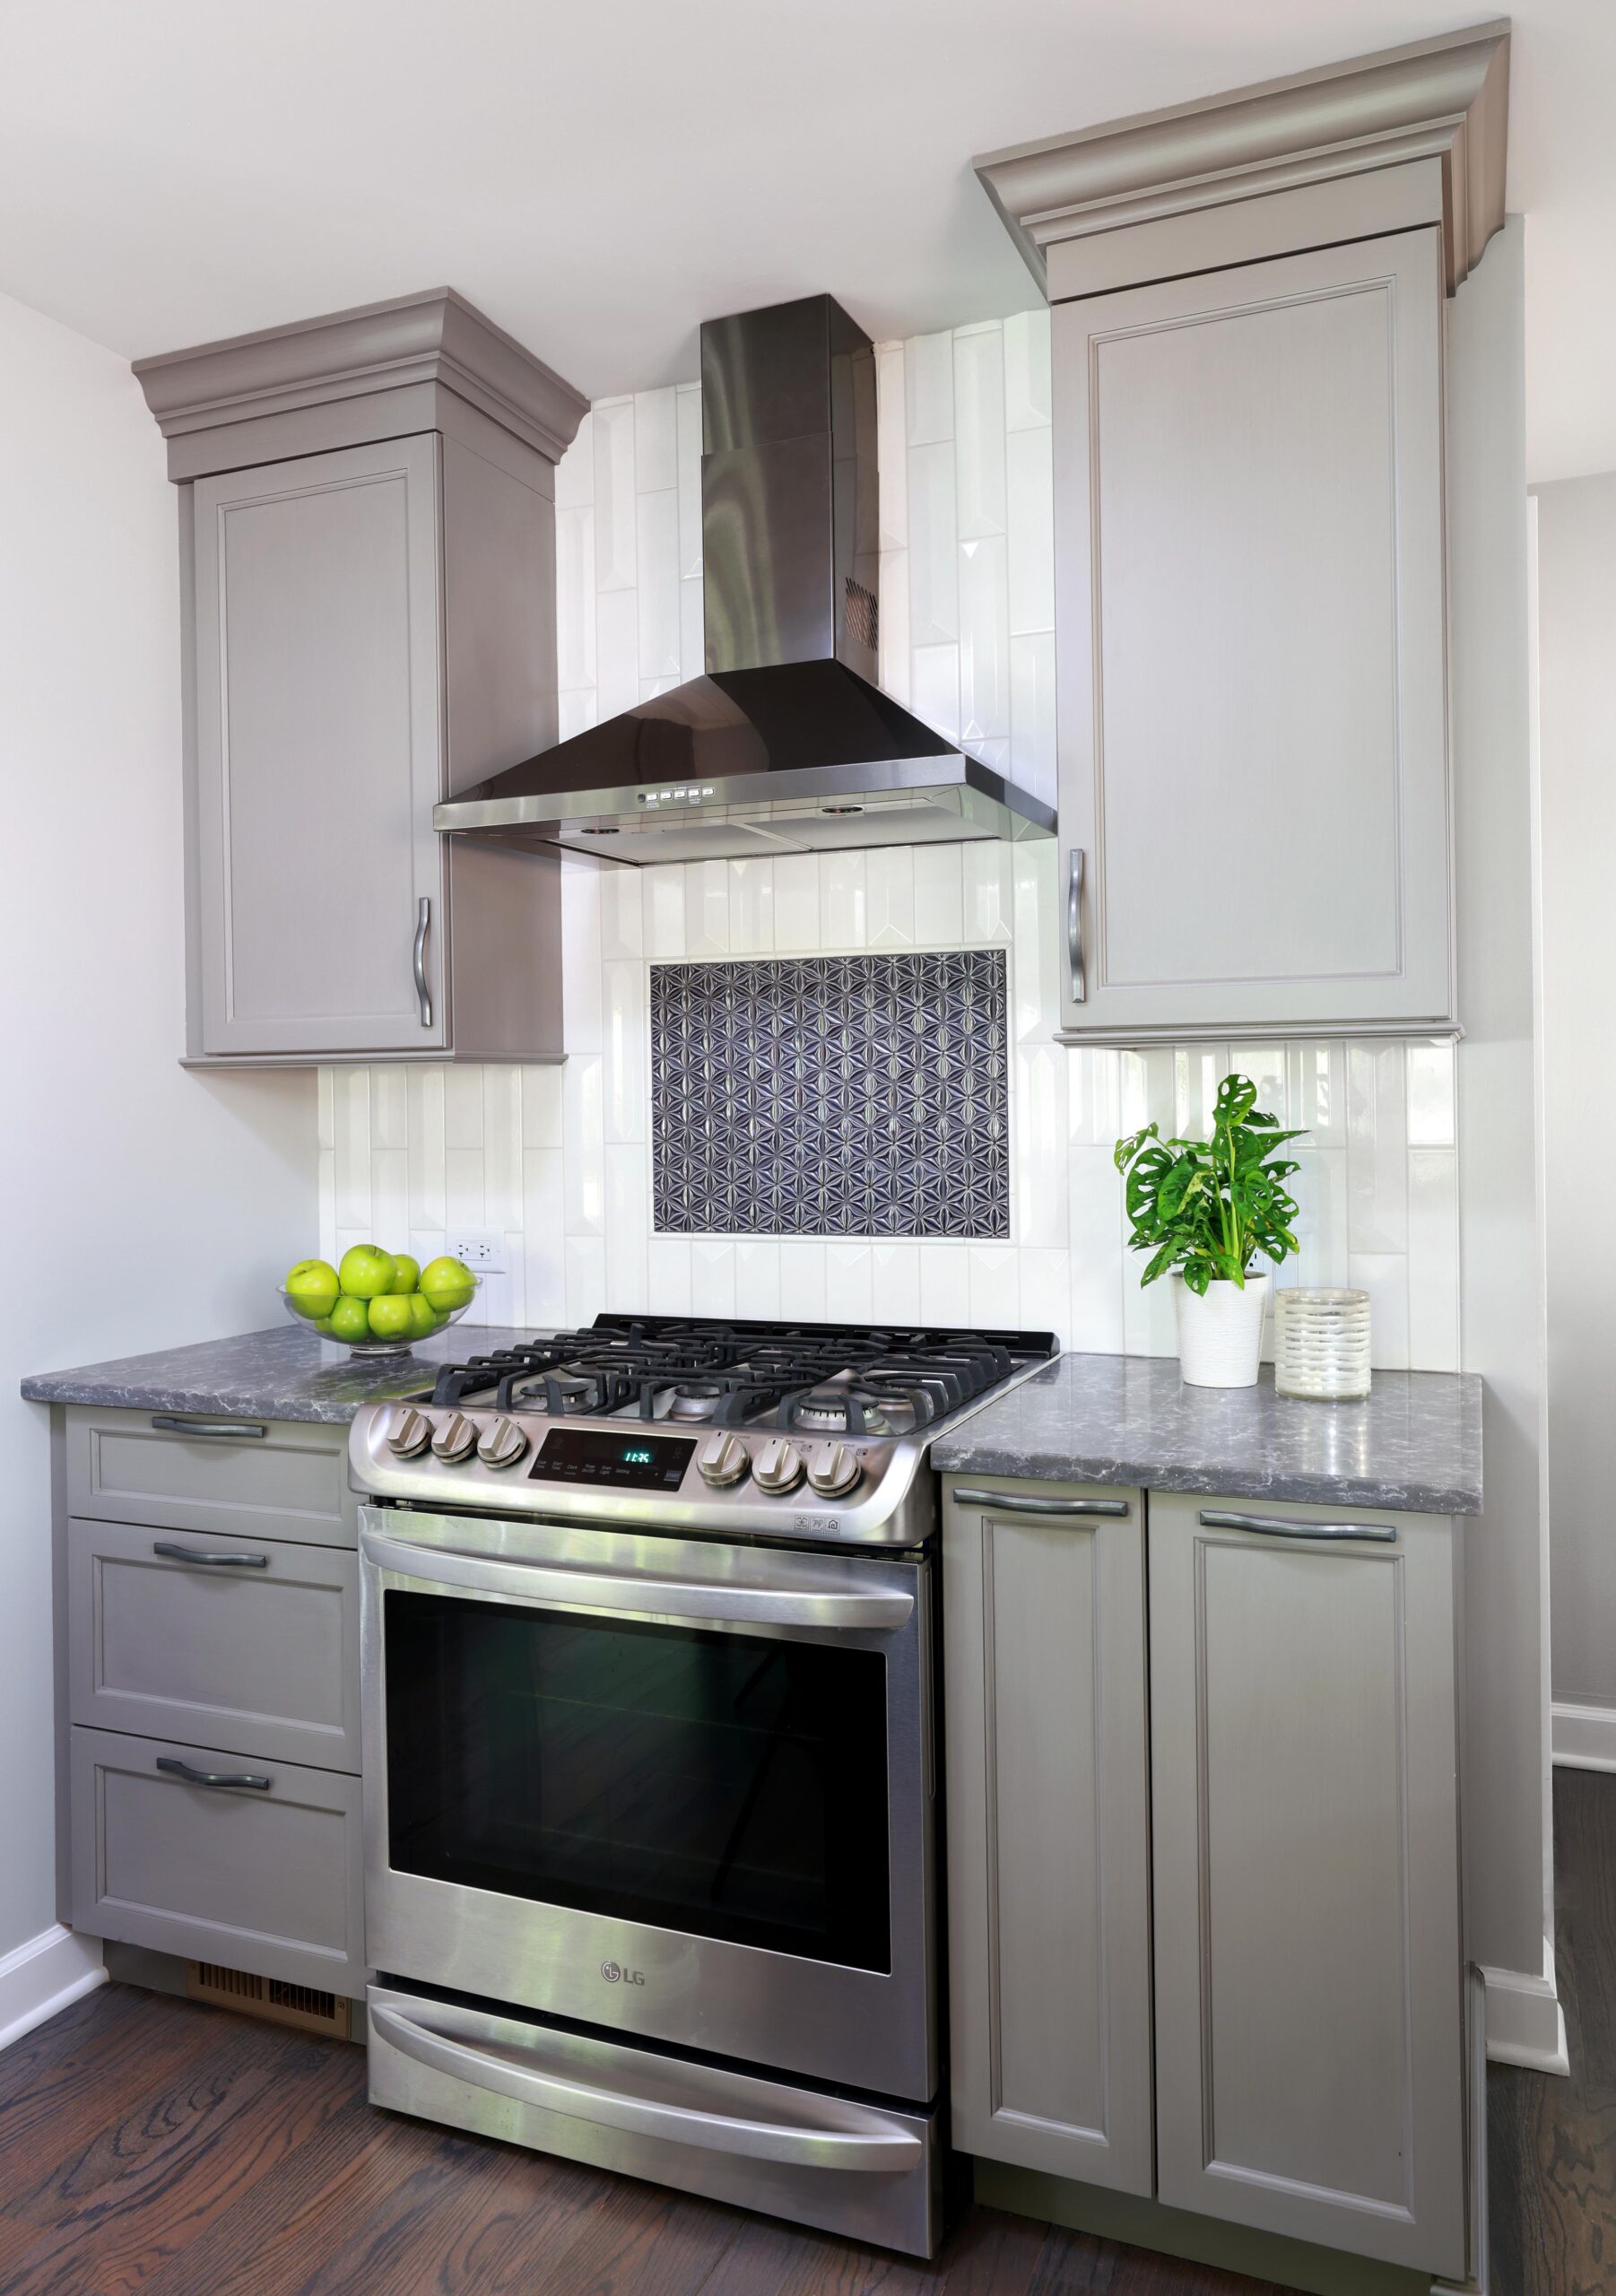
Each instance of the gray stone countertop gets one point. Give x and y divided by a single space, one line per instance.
280 1374
1415 1444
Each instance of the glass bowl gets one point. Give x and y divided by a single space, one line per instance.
372 1344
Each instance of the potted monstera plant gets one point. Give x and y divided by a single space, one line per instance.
1206 1210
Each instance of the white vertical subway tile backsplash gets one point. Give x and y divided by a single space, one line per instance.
559 1158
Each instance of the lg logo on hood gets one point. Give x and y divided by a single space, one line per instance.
615 1974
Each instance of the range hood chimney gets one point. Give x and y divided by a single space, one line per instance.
786 744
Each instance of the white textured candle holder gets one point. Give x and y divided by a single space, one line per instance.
1321 1343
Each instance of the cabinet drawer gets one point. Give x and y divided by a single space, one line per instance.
270 1880
249 1647
258 1478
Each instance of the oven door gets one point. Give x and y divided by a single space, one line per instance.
678 1788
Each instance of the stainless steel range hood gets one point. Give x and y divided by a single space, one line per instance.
787 744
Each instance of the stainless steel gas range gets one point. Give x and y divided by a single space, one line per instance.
648 1631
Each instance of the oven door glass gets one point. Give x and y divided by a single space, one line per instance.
722 1784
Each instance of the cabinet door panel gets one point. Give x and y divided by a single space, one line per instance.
1253 717
318 750
1307 1911
257 1479
1048 1829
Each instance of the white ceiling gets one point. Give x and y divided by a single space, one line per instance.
599 179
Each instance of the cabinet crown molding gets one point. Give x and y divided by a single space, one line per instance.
1445 98
434 337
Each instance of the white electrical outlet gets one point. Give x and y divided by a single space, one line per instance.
482 1249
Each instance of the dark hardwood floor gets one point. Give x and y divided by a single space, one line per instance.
152 2148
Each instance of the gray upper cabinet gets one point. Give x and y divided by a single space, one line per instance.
1309 2046
319 710
1246 344
367 547
1048 1836
1251 655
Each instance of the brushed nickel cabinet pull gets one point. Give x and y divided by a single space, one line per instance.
172 1767
1074 924
1276 1526
172 1552
423 995
1005 1502
218 1430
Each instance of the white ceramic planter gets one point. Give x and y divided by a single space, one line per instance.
1220 1331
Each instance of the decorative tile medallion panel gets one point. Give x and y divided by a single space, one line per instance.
831 1096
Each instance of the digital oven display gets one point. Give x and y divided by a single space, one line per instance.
595 1456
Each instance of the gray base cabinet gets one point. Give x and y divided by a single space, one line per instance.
1048 1830
1309 2042
208 1638
267 1878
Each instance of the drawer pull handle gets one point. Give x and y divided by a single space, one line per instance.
170 1552
223 1430
1074 925
172 1767
1008 1502
1215 1519
423 995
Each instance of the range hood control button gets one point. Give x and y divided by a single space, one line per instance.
723 1460
502 1444
408 1432
455 1440
834 1469
777 1467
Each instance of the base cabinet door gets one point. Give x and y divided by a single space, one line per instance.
1308 1971
1047 1828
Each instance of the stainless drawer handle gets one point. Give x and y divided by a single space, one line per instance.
172 1553
1074 924
468 2046
219 1431
423 995
1216 1518
172 1767
1004 1502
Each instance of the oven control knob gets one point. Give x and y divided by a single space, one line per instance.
777 1467
455 1439
408 1432
502 1444
723 1460
834 1469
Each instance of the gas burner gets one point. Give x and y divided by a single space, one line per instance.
695 1399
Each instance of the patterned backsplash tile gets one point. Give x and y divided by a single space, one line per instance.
832 1096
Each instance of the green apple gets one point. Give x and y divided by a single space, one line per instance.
389 1316
406 1273
423 1320
350 1319
447 1283
311 1288
323 1327
365 1271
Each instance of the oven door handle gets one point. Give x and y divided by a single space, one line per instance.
509 2070
782 1601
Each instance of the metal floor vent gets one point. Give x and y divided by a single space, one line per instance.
302 2006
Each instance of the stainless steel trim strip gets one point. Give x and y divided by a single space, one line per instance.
1005 1502
423 995
173 1552
1218 1519
221 1430
1074 925
172 1767
500 2068
783 1602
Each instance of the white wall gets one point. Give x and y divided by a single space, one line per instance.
1576 686
560 1161
144 1206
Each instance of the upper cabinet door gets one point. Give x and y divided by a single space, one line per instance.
1249 547
319 753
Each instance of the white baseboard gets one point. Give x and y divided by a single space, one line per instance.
1526 2024
43 1975
1584 1737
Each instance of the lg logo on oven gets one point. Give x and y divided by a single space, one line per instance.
614 1973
